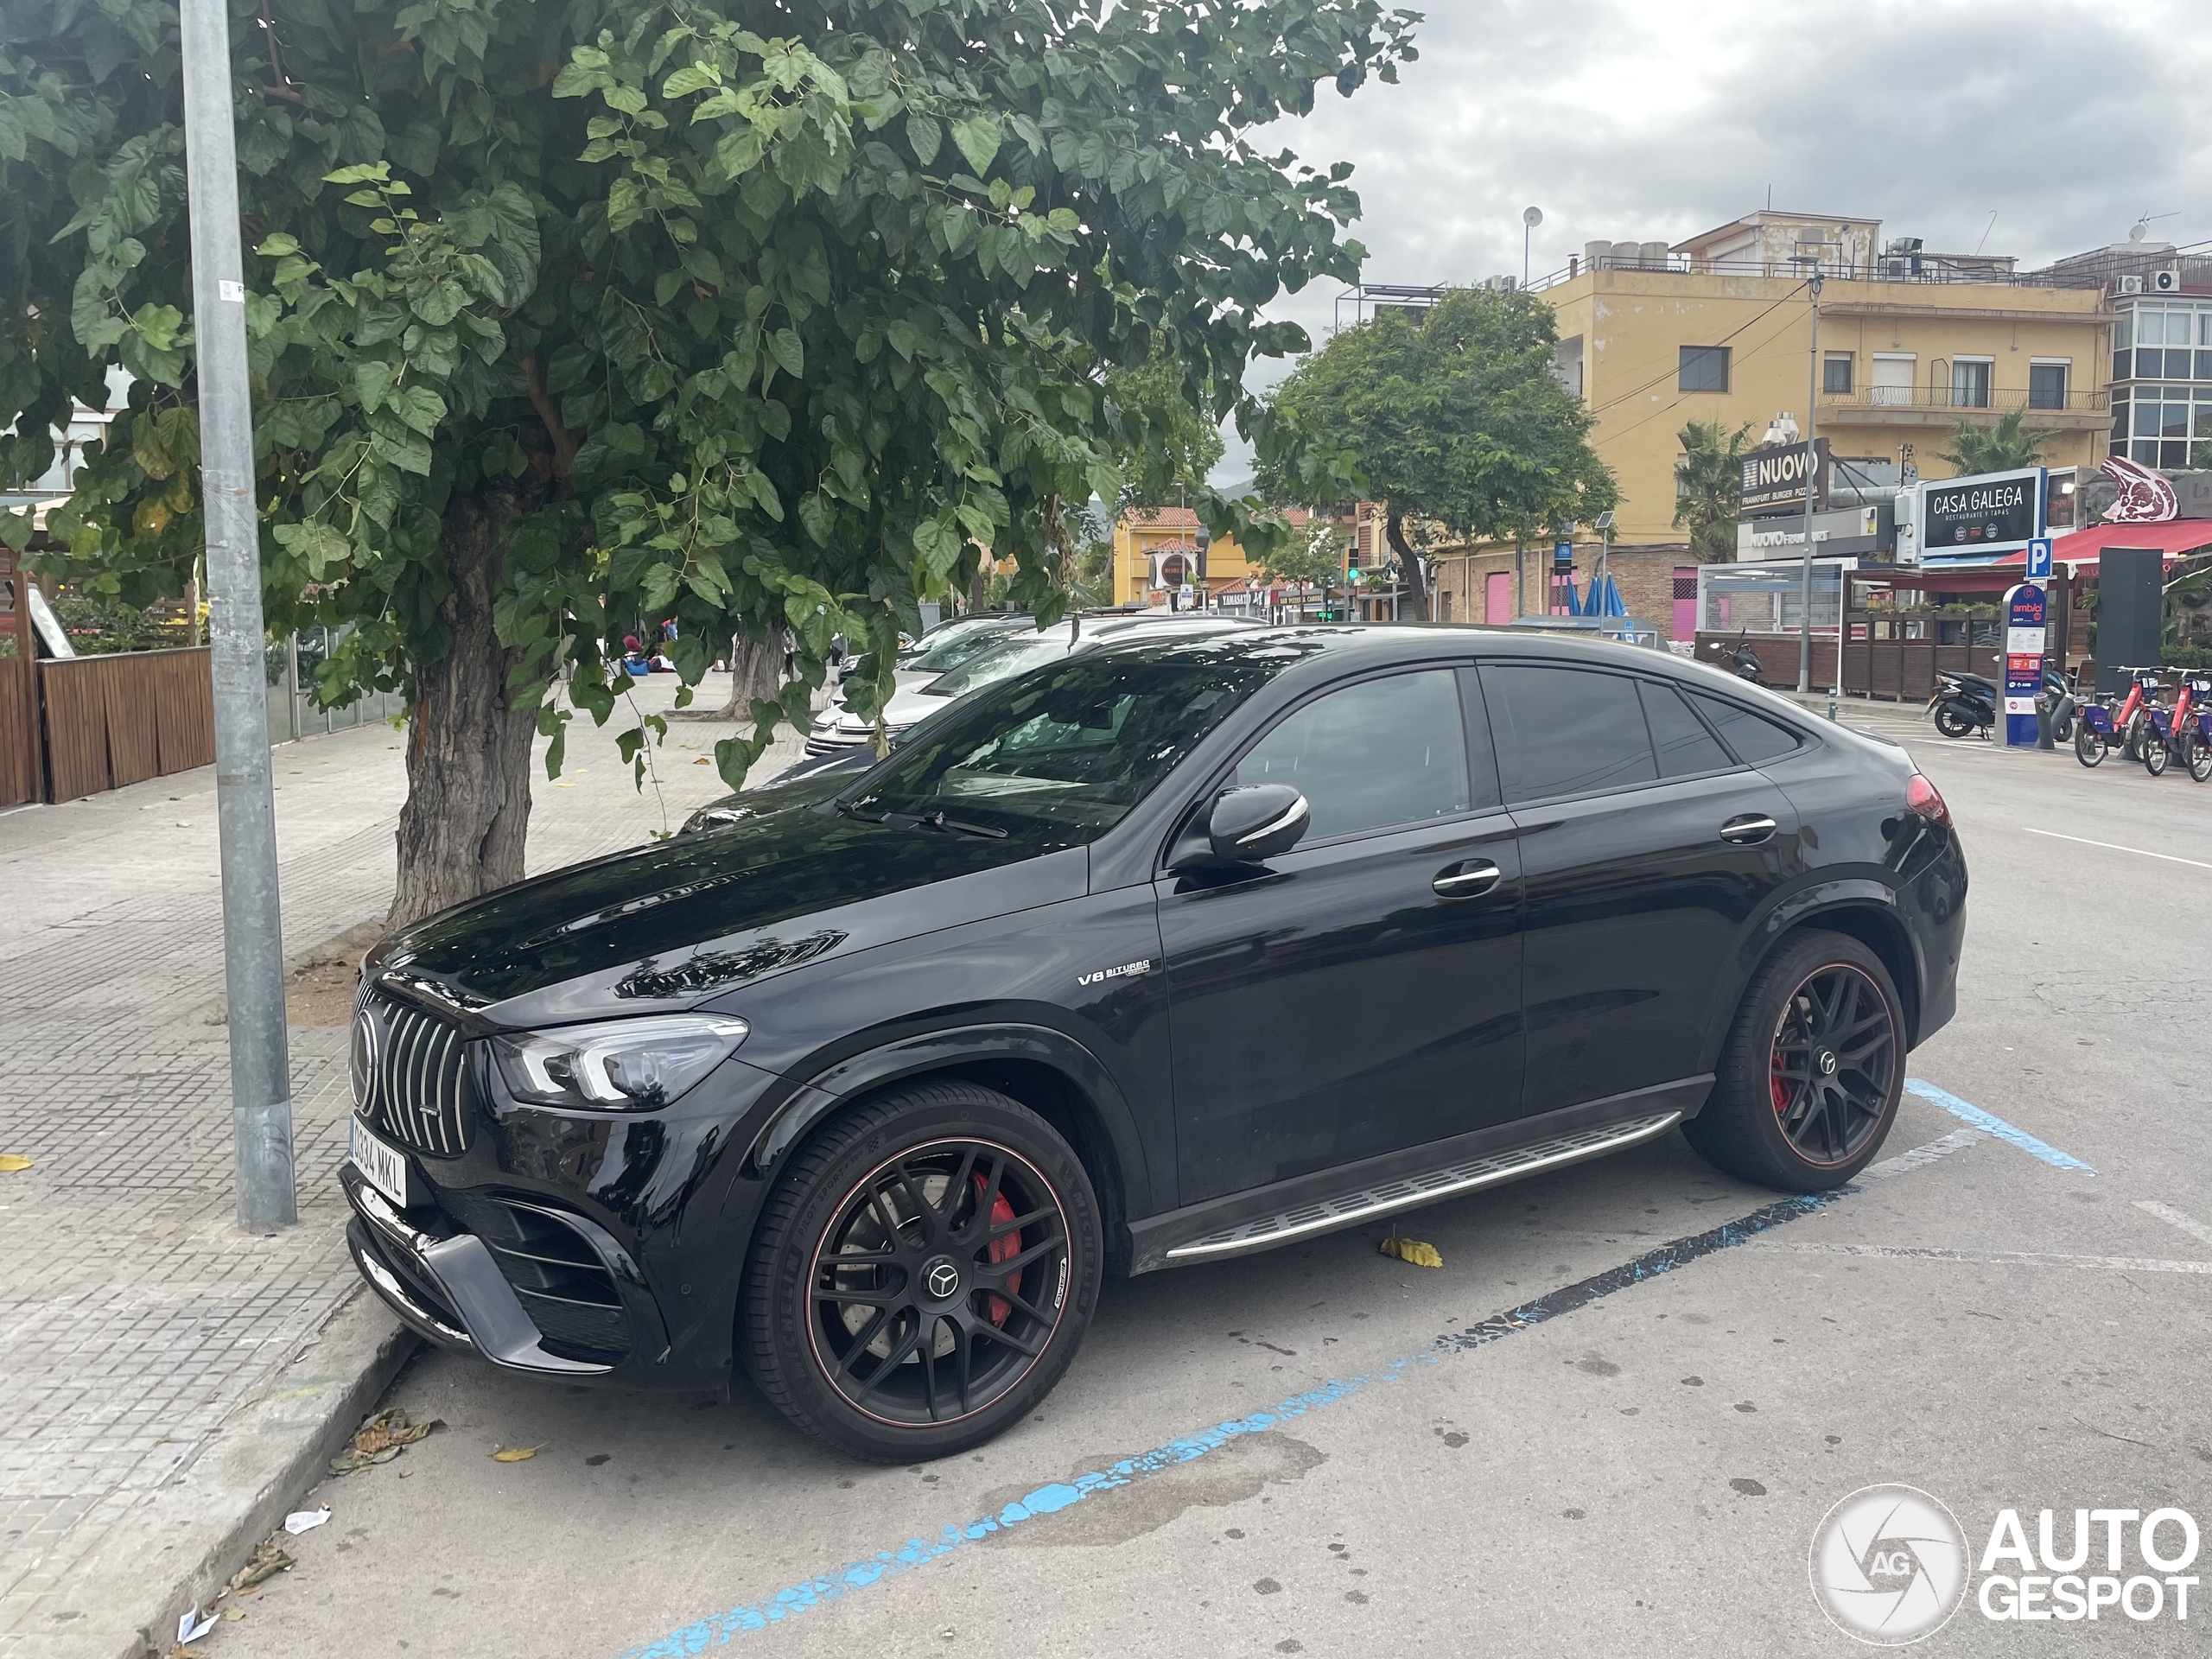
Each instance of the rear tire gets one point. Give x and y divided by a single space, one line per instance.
1954 721
971 1250
1810 1077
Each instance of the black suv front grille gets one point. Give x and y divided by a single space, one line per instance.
411 1079
567 1290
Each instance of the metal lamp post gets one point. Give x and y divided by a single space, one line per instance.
1812 477
1530 218
245 810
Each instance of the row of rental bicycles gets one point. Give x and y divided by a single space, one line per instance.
2143 727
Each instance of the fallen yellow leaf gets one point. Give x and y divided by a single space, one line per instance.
514 1454
1413 1252
11 1161
703 761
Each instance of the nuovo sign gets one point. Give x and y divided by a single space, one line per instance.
1976 518
1774 476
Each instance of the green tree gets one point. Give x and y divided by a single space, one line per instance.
1454 419
1174 433
1709 488
571 316
1317 558
2004 447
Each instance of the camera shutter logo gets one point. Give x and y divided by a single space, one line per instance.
1889 1564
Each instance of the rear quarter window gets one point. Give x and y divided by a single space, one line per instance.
1753 737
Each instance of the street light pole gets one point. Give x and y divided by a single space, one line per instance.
246 810
1530 218
1812 477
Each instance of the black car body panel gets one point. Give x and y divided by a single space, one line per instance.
1212 1041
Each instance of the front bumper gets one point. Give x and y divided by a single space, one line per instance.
444 1284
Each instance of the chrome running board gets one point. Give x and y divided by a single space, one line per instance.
1426 1188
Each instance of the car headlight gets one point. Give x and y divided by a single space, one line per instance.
630 1066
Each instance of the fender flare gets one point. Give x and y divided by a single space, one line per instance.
1793 910
843 1080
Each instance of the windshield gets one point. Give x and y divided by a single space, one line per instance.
942 655
1062 755
1001 658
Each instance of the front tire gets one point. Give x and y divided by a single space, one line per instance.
2089 745
1810 1077
2156 751
2197 754
923 1274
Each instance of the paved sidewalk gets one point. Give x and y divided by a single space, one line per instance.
138 1327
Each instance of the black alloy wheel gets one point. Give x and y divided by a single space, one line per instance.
2089 745
1809 1080
923 1274
1832 1063
2156 751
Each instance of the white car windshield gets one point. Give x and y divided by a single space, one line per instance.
1007 657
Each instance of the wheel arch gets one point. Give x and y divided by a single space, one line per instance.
1861 908
1046 1070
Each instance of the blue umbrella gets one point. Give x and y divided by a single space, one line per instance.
1613 604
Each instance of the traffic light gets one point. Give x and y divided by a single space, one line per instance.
1352 574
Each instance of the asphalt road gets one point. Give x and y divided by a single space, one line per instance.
1636 1466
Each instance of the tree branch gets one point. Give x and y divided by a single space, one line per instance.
564 442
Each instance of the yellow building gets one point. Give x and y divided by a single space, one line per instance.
1911 344
1146 545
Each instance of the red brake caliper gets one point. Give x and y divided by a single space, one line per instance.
1780 1086
996 1308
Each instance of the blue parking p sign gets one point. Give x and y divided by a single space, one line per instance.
2039 558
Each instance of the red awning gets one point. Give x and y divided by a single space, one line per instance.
2084 547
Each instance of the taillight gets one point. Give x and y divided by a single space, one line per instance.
1924 800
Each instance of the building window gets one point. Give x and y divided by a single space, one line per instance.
2160 424
1704 368
2163 336
2047 386
1836 374
1970 381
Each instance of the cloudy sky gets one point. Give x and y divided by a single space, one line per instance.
1648 120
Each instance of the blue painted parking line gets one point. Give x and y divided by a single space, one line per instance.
718 1628
1996 1126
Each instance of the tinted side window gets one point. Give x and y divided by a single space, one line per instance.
1371 756
1754 737
1685 747
1566 731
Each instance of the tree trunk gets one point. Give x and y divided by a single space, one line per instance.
1393 527
756 670
468 751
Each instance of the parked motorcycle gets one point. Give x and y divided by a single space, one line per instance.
1742 661
1963 704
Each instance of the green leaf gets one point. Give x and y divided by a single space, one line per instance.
440 304
926 134
318 544
157 325
784 346
404 449
420 407
371 377
978 137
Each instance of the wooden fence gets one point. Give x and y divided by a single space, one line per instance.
117 720
1899 670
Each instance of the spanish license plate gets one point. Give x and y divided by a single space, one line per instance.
385 1166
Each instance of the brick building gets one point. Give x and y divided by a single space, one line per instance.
1658 583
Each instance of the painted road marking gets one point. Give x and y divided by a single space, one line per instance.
2114 847
2189 1224
1997 1126
720 1628
1994 1258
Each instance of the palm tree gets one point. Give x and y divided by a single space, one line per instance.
1709 488
2003 447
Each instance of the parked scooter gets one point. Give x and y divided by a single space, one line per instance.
1742 661
1963 704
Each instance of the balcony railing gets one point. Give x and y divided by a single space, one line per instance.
1888 268
1996 400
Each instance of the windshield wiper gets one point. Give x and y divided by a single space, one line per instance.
959 826
850 809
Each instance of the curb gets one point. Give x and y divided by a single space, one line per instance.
183 1543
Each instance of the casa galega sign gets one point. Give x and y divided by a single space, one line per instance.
1774 475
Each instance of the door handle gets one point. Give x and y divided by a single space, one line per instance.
1470 880
1748 830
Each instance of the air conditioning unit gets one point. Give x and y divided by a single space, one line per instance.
2166 282
1896 265
2131 284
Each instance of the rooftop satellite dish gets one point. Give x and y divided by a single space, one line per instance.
2137 233
1532 217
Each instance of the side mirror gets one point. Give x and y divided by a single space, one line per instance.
1251 825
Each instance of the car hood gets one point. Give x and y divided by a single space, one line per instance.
672 924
